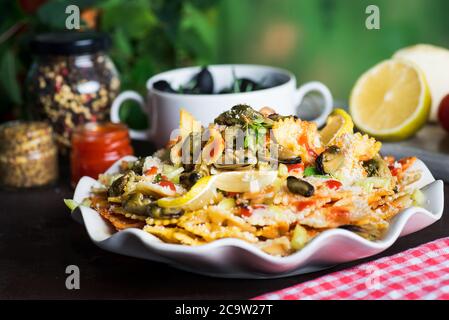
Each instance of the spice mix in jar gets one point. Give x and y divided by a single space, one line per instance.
72 81
28 155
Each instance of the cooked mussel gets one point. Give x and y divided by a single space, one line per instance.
330 160
118 187
137 166
377 167
236 160
188 179
164 213
294 160
241 115
137 203
299 186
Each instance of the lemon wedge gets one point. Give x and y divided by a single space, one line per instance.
204 192
338 123
391 101
244 181
201 194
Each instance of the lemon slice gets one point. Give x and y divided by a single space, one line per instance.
338 123
391 101
245 181
201 194
204 192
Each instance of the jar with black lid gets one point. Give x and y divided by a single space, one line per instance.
71 82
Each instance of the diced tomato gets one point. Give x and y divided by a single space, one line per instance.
246 211
151 171
301 205
339 215
394 171
312 153
302 140
259 206
407 162
165 183
295 167
333 184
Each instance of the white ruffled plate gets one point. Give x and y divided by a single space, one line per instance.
234 258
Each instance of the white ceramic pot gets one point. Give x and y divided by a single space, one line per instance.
163 108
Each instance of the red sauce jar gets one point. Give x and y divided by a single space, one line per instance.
96 146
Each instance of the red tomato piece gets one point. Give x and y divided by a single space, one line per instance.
151 171
295 167
333 184
169 184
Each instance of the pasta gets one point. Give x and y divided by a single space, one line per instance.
277 190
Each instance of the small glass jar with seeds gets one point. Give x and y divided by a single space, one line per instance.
28 155
71 82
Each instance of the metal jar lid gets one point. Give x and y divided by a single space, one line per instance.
69 43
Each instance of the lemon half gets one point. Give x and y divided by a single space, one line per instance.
391 101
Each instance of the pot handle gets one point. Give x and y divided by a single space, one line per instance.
302 91
150 112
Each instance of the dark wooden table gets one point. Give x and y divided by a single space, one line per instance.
38 240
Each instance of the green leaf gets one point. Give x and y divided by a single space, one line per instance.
8 79
134 17
122 44
71 204
311 171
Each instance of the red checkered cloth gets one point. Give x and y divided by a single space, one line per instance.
418 273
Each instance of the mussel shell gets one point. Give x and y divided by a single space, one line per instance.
164 86
234 166
294 160
204 82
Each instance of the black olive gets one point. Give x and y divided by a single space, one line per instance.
164 86
301 187
295 160
204 82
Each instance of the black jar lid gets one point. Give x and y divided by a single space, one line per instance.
68 43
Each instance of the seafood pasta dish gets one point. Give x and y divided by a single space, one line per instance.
272 180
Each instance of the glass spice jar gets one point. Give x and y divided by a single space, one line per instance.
96 146
28 155
72 81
